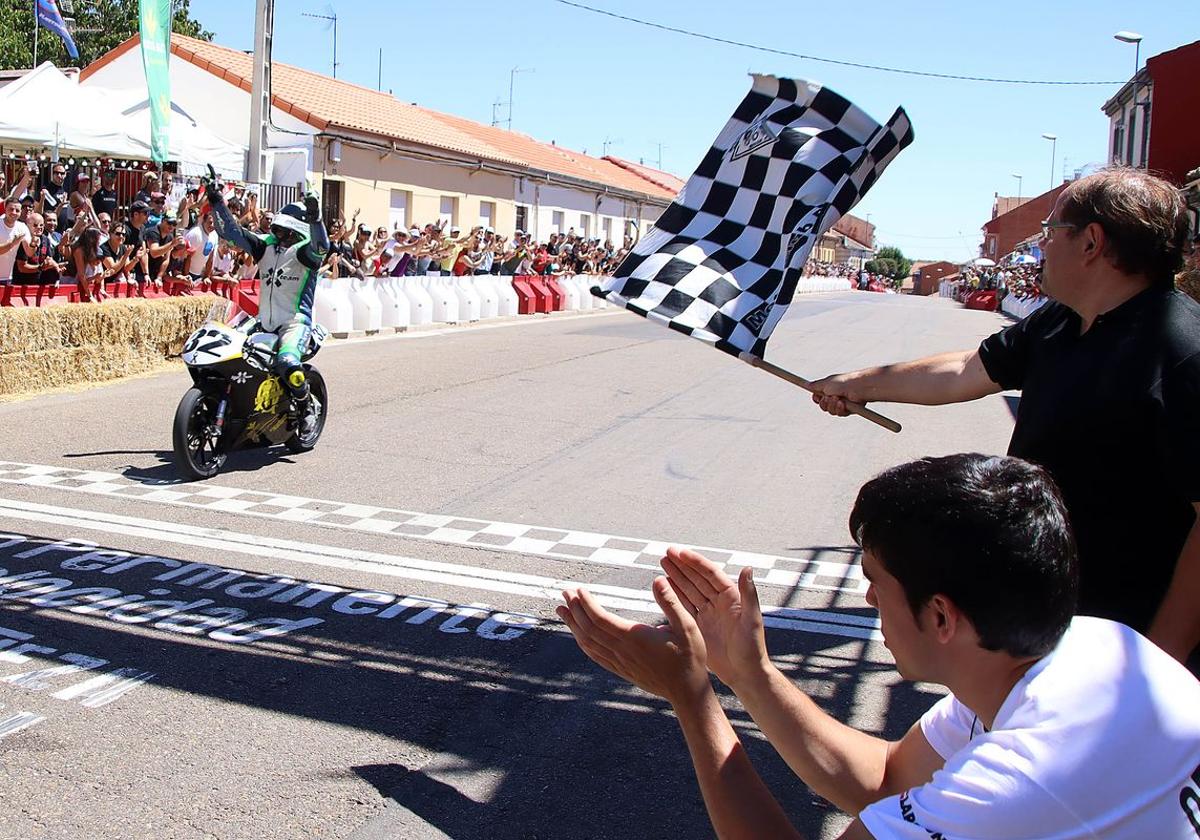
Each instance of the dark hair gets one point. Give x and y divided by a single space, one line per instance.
1144 218
989 533
89 244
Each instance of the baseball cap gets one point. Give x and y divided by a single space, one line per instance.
170 218
139 207
489 230
414 231
83 176
456 230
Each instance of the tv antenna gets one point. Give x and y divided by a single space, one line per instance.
330 17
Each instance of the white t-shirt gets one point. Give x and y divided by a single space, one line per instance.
200 245
223 264
1099 739
8 234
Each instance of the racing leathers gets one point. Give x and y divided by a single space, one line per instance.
288 283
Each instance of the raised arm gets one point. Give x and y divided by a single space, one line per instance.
318 238
227 226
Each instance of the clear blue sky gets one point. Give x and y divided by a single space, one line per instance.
596 78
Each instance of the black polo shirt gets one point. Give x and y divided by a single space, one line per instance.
1114 416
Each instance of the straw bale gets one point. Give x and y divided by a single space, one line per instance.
27 372
61 345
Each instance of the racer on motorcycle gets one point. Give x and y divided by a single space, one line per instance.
288 259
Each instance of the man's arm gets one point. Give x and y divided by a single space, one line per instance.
1176 625
669 662
849 768
935 380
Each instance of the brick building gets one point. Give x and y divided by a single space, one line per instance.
1152 118
1006 230
929 276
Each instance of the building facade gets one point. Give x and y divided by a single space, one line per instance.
396 163
1152 118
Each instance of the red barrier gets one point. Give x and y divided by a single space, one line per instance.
559 298
545 301
247 302
984 299
527 298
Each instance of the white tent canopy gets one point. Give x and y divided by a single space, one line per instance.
45 108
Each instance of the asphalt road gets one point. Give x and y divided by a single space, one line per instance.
360 641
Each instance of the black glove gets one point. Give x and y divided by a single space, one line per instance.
212 188
312 208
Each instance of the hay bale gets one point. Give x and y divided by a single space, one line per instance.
64 345
1188 280
30 372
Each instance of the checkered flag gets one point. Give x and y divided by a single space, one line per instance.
723 261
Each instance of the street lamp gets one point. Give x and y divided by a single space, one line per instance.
1053 138
1018 177
1135 39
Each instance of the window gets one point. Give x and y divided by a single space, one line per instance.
1145 153
606 225
331 199
448 211
1117 138
398 210
1130 135
556 221
585 225
487 213
522 218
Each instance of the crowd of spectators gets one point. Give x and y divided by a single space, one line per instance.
61 229
1021 281
360 251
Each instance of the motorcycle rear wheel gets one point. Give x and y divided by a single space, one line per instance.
195 457
311 426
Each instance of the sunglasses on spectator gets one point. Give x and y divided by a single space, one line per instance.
105 221
1048 228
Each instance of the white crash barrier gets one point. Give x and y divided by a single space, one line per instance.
396 310
332 308
366 305
445 301
420 303
586 283
1021 308
582 287
815 283
468 298
508 300
489 302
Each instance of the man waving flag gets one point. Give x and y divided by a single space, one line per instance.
723 261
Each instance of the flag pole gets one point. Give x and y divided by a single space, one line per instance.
788 376
35 33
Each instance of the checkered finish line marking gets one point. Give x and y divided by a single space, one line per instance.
519 538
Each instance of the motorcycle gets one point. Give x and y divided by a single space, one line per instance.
237 401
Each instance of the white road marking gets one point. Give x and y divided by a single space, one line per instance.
469 577
15 723
520 538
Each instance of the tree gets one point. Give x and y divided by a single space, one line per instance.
891 262
100 25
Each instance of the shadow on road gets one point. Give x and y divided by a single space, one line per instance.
242 460
529 738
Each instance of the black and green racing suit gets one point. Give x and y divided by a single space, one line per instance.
288 283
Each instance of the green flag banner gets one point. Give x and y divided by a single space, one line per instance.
154 23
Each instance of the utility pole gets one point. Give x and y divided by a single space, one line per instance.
379 87
658 164
331 17
264 28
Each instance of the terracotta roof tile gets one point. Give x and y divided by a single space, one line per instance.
656 176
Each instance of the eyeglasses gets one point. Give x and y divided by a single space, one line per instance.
1048 228
106 221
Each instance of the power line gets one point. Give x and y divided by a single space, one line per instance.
919 236
701 35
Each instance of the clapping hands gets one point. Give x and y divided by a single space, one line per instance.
713 624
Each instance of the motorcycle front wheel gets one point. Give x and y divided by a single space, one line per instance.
313 421
195 455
